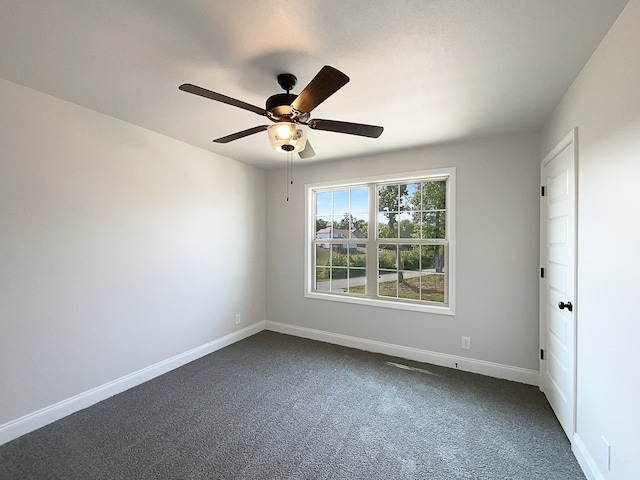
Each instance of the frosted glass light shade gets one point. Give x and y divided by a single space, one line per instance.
287 137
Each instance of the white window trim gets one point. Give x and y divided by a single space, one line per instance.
449 309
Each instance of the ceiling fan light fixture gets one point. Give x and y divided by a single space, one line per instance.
287 137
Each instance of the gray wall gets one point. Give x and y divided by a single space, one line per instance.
497 253
604 103
119 248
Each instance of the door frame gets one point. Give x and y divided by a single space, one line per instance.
571 139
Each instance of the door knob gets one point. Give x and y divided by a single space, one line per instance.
568 306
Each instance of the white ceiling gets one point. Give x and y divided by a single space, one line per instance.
429 71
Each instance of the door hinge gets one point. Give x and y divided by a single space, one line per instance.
541 272
542 192
541 354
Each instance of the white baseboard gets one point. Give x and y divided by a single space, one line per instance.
482 367
50 414
586 461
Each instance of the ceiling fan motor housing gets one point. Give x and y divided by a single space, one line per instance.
280 105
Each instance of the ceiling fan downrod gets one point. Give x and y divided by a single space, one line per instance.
287 81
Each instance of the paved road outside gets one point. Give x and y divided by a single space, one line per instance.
341 285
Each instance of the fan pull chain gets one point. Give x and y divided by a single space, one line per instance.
289 172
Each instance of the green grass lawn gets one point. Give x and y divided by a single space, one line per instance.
432 288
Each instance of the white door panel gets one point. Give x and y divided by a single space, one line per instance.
557 327
558 286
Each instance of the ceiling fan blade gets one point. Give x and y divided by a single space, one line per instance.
203 92
242 134
327 82
346 127
307 152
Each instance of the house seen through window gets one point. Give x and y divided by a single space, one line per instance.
383 240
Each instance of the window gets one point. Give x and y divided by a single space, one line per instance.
384 241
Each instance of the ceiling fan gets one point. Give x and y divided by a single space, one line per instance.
290 112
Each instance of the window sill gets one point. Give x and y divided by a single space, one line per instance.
377 302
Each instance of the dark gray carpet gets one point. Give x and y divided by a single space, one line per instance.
279 407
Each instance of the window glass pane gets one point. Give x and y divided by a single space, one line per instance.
434 195
323 255
388 283
407 228
433 224
387 257
409 275
388 198
411 198
323 227
341 226
338 273
339 255
340 202
358 226
338 279
388 225
432 258
357 283
432 288
322 279
357 255
409 257
324 204
359 200
409 285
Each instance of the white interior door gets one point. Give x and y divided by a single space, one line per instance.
558 282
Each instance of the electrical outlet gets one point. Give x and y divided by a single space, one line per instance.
238 318
466 343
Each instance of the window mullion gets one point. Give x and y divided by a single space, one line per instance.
372 244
